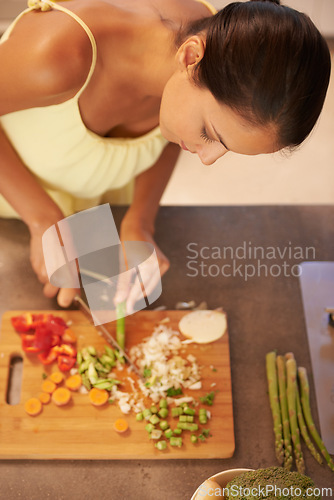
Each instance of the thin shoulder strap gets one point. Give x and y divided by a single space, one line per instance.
208 5
46 5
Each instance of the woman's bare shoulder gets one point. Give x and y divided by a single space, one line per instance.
44 61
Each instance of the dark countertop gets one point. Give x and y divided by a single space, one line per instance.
264 313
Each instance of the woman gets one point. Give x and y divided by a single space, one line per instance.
80 76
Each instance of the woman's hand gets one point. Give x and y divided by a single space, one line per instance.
65 295
135 230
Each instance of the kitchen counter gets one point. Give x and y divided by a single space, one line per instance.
264 312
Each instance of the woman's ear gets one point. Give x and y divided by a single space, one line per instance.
190 52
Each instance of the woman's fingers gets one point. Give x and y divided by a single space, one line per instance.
50 290
66 296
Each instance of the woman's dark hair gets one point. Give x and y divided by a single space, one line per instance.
267 62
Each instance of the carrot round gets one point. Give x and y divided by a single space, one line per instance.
48 386
44 398
33 407
57 377
74 382
121 425
61 396
98 397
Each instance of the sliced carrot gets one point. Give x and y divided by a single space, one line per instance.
61 396
48 386
57 377
121 425
69 336
33 407
98 397
74 382
44 398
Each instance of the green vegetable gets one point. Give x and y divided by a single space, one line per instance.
208 399
156 434
120 324
293 485
189 411
175 441
161 445
92 373
91 350
163 403
139 417
291 391
177 431
281 371
176 412
193 438
305 401
274 404
163 425
187 426
174 392
147 413
154 409
202 416
163 412
154 419
147 372
169 433
149 427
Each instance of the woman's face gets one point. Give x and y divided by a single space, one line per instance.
191 117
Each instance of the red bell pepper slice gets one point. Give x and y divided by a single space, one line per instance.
65 363
29 343
48 357
56 325
67 350
28 322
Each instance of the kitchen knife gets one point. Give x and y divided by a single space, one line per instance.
107 335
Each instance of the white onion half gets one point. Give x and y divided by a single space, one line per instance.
203 326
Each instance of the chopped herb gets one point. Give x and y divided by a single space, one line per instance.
44 376
174 392
208 399
147 372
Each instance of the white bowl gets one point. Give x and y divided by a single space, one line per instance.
222 478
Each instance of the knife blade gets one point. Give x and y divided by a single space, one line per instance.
107 335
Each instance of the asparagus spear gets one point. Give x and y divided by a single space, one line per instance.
301 421
281 370
120 324
305 401
274 404
304 432
291 369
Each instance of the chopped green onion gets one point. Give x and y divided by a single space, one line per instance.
163 425
154 419
175 441
161 445
163 412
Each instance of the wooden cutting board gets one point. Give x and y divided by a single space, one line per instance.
82 431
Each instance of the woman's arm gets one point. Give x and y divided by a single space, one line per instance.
138 223
31 76
149 187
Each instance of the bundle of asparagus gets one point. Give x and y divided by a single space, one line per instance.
290 407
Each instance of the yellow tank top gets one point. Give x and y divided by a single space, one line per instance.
75 165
